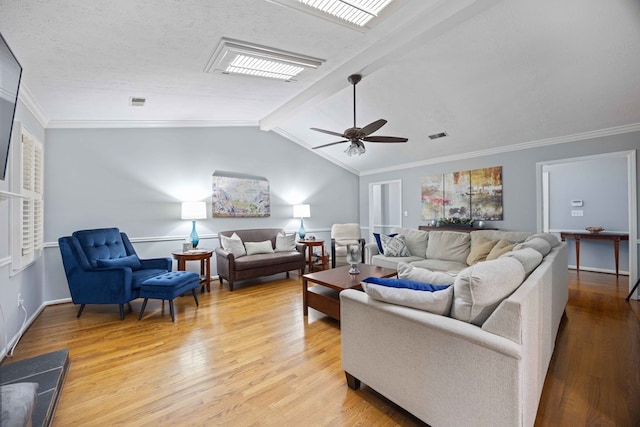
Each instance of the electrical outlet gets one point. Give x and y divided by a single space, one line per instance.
577 213
20 300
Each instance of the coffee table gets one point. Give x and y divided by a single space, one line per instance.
324 296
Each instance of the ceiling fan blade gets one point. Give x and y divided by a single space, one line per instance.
329 144
330 132
385 139
372 127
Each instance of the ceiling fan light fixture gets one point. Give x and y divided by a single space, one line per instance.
355 149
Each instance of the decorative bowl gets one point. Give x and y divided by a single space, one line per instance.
594 229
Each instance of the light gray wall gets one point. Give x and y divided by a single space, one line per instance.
601 184
135 179
28 283
518 175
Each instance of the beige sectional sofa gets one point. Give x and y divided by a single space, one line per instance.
483 363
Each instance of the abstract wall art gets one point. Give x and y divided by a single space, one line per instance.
466 195
239 195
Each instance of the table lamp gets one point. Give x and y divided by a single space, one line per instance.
193 211
301 211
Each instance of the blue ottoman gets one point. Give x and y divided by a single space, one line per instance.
168 286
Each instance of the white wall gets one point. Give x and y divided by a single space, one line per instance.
28 283
135 179
519 181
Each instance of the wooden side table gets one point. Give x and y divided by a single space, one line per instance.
202 255
310 244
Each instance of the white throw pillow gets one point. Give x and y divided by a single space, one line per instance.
437 302
233 244
394 246
417 274
480 288
255 248
285 243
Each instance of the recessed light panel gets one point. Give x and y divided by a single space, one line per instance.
357 13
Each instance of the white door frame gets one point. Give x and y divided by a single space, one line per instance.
542 183
371 207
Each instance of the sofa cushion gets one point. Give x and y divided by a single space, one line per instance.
233 244
254 248
502 247
537 243
453 267
421 296
480 248
448 246
552 239
394 246
480 288
528 257
416 240
417 274
392 262
266 260
285 243
379 242
131 261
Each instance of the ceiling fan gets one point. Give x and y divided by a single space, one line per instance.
355 135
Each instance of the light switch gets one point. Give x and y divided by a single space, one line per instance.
577 213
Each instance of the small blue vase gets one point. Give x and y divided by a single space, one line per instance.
194 236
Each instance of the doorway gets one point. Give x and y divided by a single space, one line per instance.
385 207
549 204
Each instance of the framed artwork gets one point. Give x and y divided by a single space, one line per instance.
466 195
239 195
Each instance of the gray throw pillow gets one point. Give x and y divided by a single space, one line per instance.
424 275
255 248
394 246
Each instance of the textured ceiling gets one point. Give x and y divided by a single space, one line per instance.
490 73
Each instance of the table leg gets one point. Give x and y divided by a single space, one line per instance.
310 249
208 274
577 254
182 265
616 252
305 303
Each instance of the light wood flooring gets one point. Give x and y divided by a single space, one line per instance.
250 358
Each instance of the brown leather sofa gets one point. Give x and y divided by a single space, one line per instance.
232 268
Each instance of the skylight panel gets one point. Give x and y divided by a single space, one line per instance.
355 13
236 57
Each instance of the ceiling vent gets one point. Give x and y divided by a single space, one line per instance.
237 57
136 101
438 135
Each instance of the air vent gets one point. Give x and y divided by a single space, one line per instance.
438 135
137 102
237 57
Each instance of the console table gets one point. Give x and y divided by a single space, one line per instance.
577 236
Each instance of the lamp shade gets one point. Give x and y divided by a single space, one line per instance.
301 211
194 210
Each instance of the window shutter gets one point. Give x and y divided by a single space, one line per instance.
28 214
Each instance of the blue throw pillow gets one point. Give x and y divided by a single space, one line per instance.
379 243
404 283
131 261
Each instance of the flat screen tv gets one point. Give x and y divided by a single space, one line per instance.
10 74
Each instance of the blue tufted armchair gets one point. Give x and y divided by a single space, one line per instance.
103 268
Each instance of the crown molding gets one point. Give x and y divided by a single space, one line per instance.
618 130
116 124
24 94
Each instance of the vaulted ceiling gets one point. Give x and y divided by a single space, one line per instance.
495 75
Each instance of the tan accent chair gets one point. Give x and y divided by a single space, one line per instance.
341 236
